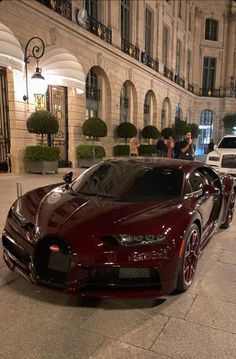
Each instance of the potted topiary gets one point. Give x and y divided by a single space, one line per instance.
125 130
90 154
42 159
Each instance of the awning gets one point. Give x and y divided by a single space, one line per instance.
61 68
11 54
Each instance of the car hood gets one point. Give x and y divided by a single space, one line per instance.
222 151
62 212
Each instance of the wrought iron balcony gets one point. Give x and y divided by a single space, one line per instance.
130 49
62 7
178 80
167 73
210 92
191 88
98 29
92 93
124 102
149 61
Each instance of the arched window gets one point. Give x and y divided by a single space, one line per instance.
211 30
146 111
124 104
205 127
92 95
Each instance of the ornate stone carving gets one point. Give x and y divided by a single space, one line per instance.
53 36
130 73
198 13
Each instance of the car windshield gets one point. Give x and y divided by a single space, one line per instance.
130 182
228 142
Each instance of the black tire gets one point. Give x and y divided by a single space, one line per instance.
189 259
230 213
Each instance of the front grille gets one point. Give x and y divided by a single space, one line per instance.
52 267
16 250
228 161
122 278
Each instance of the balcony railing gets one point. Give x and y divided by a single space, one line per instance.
130 49
149 61
167 73
92 93
98 29
191 88
178 80
62 7
210 92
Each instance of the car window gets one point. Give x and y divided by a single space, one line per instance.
130 182
228 142
197 180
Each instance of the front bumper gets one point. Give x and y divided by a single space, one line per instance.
143 273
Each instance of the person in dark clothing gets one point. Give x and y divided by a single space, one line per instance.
211 145
185 147
161 147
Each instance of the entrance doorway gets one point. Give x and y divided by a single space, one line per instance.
4 124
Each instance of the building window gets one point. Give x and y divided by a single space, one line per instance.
178 56
148 31
125 19
211 30
146 111
92 95
188 65
209 71
165 46
190 21
92 8
124 104
205 127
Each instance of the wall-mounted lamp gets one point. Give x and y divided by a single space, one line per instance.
38 82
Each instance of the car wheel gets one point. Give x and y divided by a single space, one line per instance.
230 213
189 259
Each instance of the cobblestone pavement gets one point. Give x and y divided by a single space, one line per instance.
37 323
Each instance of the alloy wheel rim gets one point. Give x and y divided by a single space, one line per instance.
191 257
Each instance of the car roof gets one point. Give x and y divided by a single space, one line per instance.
157 162
234 136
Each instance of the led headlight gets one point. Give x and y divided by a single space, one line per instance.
213 158
129 240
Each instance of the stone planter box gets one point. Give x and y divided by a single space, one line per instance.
41 166
88 162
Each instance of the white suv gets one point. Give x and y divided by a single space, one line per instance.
223 158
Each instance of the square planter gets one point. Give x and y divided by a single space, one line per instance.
41 166
88 162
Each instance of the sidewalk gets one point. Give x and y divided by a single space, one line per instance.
38 323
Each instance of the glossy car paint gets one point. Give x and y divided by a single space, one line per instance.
87 224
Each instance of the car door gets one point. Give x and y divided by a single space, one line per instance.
203 204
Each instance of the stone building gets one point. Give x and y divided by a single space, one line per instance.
142 61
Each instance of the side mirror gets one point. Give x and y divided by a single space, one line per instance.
209 190
68 178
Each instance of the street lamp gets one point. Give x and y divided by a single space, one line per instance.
37 80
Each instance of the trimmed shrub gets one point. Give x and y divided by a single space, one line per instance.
126 130
94 127
86 151
150 132
147 149
39 153
121 150
194 129
229 122
167 132
42 123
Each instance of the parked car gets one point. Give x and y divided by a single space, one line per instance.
223 158
125 227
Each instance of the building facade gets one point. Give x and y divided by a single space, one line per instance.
141 61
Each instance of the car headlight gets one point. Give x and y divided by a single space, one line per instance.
213 158
129 240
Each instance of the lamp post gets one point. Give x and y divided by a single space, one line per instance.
36 53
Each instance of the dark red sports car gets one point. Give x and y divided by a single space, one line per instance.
126 227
